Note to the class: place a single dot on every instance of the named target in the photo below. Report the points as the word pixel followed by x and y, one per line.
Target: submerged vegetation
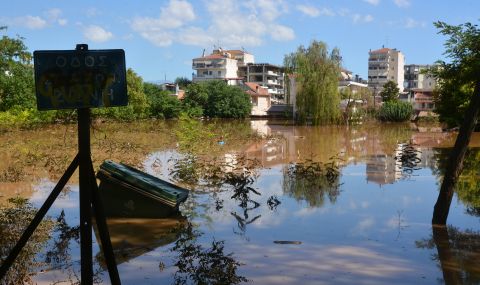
pixel 14 218
pixel 312 180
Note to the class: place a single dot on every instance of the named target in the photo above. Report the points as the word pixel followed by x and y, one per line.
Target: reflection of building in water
pixel 384 168
pixel 279 148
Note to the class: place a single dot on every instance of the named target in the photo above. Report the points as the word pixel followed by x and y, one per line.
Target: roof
pixel 236 51
pixel 211 56
pixel 382 50
pixel 255 89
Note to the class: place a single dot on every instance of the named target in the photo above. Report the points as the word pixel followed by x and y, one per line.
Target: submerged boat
pixel 129 192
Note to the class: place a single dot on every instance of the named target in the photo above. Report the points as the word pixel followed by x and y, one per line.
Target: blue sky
pixel 160 38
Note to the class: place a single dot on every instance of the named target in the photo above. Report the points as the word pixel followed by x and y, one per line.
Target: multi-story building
pixel 416 79
pixel 220 65
pixel 266 75
pixel 385 65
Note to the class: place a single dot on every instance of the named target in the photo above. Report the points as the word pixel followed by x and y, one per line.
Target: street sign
pixel 73 79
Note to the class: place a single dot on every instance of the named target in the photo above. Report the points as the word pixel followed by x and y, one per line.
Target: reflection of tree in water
pixel 59 257
pixel 468 184
pixel 458 253
pixel 409 158
pixel 59 254
pixel 199 265
pixel 312 181
pixel 14 218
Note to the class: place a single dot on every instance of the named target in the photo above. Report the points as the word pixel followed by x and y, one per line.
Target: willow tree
pixel 316 73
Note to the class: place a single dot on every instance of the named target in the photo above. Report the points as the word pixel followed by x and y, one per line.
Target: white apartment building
pixel 220 65
pixel 268 76
pixel 385 65
pixel 416 79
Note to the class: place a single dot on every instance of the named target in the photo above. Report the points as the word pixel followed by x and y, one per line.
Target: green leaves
pixel 316 72
pixel 390 91
pixel 457 77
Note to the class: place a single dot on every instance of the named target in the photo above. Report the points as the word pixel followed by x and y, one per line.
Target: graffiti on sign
pixel 80 79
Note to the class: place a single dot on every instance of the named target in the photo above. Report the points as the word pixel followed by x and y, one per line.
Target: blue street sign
pixel 73 79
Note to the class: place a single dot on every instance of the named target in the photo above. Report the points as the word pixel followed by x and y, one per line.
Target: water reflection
pixel 468 185
pixel 14 218
pixel 135 237
pixel 198 264
pixel 281 229
pixel 457 254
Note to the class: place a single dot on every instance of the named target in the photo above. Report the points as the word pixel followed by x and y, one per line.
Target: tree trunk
pixel 452 274
pixel 455 161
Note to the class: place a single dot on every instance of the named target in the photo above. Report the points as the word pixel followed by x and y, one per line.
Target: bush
pixel 395 111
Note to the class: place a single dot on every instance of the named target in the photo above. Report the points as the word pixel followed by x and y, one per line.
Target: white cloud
pixel 227 22
pixel 412 23
pixel 30 22
pixel 315 12
pixel 308 10
pixel 62 22
pixel 282 33
pixel 97 34
pixel 175 15
pixel 54 16
pixel 357 18
pixel 372 2
pixel 402 3
pixel 92 12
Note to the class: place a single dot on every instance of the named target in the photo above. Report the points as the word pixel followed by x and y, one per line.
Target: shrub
pixel 395 111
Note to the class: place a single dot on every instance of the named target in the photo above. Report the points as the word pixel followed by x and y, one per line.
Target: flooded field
pixel 318 205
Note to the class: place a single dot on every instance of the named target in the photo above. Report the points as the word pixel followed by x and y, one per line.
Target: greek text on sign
pixel 72 79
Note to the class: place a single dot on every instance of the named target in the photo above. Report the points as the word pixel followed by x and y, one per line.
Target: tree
pixel 226 101
pixel 183 82
pixel 390 91
pixel 214 98
pixel 460 74
pixel 160 102
pixel 16 74
pixel 316 71
pixel 456 79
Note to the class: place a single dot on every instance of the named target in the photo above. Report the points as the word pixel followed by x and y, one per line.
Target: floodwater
pixel 370 225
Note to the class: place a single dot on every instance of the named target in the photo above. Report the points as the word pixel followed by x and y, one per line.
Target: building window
pixel 219 73
pixel 210 72
pixel 393 77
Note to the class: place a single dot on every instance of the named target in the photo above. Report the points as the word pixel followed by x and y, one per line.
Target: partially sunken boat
pixel 128 192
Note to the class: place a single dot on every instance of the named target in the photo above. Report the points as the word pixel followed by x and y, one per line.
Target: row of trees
pixel 18 102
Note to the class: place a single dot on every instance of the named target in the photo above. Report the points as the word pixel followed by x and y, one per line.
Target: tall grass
pixel 395 111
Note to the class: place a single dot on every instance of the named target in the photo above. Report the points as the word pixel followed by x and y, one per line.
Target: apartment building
pixel 221 65
pixel 416 79
pixel 268 76
pixel 385 64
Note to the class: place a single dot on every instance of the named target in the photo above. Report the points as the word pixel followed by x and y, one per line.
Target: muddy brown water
pixel 372 227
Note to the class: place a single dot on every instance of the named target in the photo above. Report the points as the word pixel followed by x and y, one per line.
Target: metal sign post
pixel 79 79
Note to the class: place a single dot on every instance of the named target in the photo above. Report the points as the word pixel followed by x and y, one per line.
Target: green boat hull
pixel 127 192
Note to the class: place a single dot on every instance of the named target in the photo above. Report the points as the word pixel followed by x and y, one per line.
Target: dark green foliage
pixel 456 78
pixel 218 100
pixel 390 91
pixel 161 103
pixel 395 111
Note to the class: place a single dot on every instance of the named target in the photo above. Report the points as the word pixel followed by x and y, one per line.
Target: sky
pixel 160 38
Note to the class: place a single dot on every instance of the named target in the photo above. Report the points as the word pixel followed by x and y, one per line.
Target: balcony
pixel 271 73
